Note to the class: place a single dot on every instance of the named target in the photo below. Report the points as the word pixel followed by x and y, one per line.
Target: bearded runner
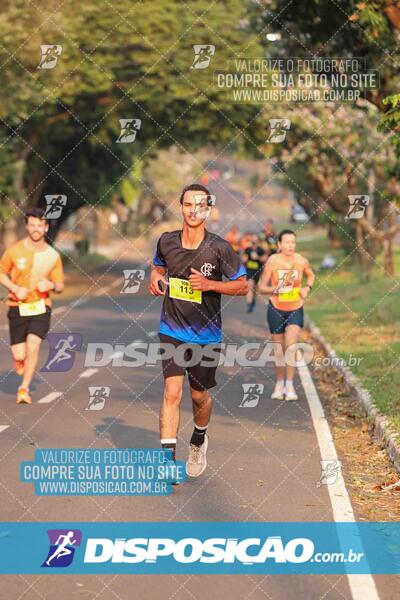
pixel 30 270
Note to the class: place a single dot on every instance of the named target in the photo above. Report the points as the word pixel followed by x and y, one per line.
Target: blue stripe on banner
pixel 199 548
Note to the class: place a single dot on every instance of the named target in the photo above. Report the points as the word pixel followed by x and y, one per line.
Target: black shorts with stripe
pixel 201 377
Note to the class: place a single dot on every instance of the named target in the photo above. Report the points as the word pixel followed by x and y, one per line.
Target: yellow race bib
pixel 291 296
pixel 182 290
pixel 252 264
pixel 30 309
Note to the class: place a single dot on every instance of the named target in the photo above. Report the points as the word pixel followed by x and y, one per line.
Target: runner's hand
pixel 198 281
pixel 44 285
pixel 155 277
pixel 21 292
pixel 304 292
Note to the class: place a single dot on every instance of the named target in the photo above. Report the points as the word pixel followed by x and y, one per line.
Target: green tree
pixel 122 60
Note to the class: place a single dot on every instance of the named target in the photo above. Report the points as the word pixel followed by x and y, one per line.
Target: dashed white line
pixel 88 373
pixel 116 283
pixel 50 397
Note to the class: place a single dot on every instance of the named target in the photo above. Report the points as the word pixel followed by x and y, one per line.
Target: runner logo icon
pixel 330 470
pixel 62 547
pixel 132 280
pixel 129 129
pixel 251 394
pixel 203 54
pixel 97 397
pixel 49 55
pixel 62 351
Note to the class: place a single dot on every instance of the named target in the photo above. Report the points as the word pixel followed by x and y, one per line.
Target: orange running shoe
pixel 23 396
pixel 19 366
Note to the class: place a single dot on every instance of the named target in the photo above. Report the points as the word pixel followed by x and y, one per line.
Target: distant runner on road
pixel 195 260
pixel 30 270
pixel 269 238
pixel 233 238
pixel 254 258
pixel 282 279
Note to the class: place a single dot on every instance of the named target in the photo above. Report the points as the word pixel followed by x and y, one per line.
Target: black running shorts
pixel 278 320
pixel 201 377
pixel 20 327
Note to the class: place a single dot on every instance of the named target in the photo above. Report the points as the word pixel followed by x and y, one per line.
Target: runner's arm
pixel 265 278
pixel 157 275
pixel 6 281
pixel 55 281
pixel 5 268
pixel 232 268
pixel 310 278
pixel 158 272
pixel 237 287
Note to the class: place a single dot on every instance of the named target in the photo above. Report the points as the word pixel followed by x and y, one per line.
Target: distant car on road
pixel 298 214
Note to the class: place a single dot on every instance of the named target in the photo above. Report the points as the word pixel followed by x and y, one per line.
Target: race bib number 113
pixel 182 290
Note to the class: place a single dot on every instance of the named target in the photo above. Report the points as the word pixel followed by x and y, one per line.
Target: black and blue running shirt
pixel 214 258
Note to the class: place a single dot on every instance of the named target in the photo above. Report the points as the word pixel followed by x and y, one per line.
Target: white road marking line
pixel 3 427
pixel 79 301
pixel 362 587
pixel 59 309
pixel 88 373
pixel 50 397
pixel 118 282
pixel 105 290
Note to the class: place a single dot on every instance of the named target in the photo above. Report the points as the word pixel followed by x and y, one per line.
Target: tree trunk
pixel 388 263
pixel 365 260
pixel 9 232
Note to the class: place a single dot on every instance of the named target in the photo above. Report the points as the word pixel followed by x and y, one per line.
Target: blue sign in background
pixel 24 547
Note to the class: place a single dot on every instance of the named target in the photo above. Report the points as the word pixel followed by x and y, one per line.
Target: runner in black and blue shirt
pixel 195 261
